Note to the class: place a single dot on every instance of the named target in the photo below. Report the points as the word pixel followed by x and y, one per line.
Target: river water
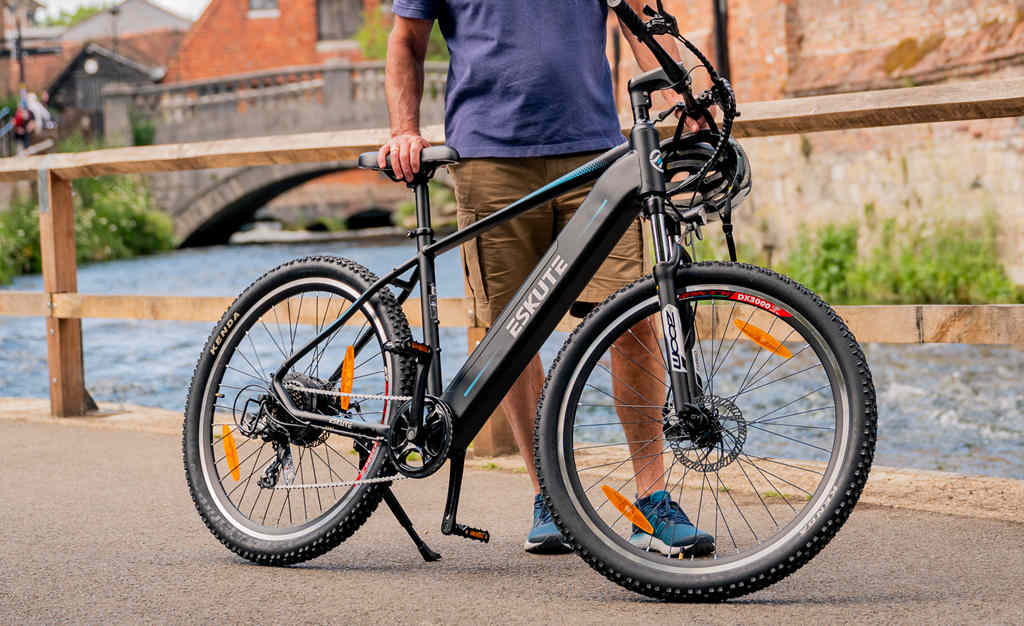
pixel 941 407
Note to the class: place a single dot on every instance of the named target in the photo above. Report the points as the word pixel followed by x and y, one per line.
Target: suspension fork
pixel 677 322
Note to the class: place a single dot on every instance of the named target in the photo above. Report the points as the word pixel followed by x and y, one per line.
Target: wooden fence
pixel 64 308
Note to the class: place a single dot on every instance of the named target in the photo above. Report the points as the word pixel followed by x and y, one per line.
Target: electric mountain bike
pixel 745 392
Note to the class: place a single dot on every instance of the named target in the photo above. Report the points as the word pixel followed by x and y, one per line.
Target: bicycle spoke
pixel 798 413
pixel 778 380
pixel 794 440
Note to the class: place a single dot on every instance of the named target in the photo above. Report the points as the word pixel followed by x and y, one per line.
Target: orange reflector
pixel 230 451
pixel 347 374
pixel 627 509
pixel 763 339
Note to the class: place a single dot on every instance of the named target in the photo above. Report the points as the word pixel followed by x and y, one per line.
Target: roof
pixel 151 50
pixel 134 16
pixel 95 49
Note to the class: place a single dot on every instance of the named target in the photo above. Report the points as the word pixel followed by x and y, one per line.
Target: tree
pixel 82 13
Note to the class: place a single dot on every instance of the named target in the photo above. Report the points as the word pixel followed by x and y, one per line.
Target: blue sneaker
pixel 673 531
pixel 544 537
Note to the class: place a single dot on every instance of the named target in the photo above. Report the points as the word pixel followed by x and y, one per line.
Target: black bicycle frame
pixel 629 180
pixel 539 304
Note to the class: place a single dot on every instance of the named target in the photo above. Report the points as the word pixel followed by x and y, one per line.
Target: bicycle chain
pixel 339 394
pixel 346 483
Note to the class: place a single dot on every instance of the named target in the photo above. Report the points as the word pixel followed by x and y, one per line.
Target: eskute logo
pixel 543 286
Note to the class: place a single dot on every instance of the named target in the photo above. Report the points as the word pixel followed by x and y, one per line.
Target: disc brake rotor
pixel 708 439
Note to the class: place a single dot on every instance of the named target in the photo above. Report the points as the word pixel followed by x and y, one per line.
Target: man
pixel 529 98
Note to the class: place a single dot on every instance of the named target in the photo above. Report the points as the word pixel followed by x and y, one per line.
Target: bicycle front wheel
pixel 769 463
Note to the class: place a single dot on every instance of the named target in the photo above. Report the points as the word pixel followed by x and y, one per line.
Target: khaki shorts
pixel 498 261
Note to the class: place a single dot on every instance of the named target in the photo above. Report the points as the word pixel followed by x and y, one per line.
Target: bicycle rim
pixel 777 394
pixel 233 460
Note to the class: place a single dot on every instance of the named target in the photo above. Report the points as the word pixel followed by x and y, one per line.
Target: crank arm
pixel 449 526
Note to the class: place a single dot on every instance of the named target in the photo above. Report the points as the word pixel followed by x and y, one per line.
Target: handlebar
pixel 720 93
pixel 680 80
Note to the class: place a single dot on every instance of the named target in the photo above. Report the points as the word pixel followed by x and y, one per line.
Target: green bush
pixel 950 262
pixel 114 219
pixel 826 262
pixel 143 131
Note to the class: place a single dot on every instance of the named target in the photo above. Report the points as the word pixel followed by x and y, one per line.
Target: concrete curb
pixel 979 497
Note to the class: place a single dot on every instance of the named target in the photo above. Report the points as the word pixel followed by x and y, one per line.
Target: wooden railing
pixel 64 308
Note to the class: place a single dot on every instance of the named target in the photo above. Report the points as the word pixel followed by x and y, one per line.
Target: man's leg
pixel 499 261
pixel 639 388
pixel 520 406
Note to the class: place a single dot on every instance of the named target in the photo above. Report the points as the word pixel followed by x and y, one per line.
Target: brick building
pixel 239 36
pixel 791 48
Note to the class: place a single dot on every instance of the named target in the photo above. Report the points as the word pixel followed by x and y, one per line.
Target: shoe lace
pixel 669 511
pixel 543 514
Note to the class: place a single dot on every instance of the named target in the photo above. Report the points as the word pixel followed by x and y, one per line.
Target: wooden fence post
pixel 60 275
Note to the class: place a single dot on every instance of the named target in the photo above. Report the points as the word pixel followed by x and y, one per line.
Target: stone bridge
pixel 209 205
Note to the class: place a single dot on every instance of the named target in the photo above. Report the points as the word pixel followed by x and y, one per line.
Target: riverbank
pixel 980 497
pixel 386 235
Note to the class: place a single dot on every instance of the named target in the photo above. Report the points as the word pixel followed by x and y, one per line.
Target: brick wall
pixel 781 48
pixel 226 41
pixel 917 174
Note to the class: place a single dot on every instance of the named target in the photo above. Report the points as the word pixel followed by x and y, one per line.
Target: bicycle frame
pixel 622 176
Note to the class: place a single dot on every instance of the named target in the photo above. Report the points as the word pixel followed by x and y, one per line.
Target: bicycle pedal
pixel 468 532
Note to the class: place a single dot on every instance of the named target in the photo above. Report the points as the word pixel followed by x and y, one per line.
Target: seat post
pixel 424 235
pixel 424 232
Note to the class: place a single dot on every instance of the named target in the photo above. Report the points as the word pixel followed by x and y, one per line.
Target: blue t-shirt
pixel 527 77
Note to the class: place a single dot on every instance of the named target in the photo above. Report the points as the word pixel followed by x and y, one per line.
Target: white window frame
pixel 264 13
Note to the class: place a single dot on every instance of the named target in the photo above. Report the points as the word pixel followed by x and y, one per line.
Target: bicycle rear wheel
pixel 235 433
pixel 771 472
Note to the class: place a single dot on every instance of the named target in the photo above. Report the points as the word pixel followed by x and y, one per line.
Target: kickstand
pixel 403 519
pixel 400 514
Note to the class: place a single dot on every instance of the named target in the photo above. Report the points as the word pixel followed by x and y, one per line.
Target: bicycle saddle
pixel 431 158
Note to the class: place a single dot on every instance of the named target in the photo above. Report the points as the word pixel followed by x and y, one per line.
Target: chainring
pixel 419 450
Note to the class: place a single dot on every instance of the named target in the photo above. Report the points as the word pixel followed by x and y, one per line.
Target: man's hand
pixel 664 100
pixel 404 148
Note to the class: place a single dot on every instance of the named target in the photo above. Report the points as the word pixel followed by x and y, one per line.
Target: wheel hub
pixel 709 436
pixel 297 432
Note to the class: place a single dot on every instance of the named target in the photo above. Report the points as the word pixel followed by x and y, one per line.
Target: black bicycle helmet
pixel 728 179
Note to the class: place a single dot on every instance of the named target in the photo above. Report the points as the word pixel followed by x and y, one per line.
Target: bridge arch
pixel 214 213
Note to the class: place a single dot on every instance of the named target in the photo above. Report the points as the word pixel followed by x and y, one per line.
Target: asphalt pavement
pixel 97 527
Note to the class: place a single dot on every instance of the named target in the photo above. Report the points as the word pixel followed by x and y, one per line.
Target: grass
pixel 944 262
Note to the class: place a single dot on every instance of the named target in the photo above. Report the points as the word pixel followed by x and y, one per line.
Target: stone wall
pixel 917 174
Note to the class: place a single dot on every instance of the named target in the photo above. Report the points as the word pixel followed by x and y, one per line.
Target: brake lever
pixel 661 23
pixel 678 106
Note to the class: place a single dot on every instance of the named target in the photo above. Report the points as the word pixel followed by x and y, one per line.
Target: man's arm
pixel 645 58
pixel 403 81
